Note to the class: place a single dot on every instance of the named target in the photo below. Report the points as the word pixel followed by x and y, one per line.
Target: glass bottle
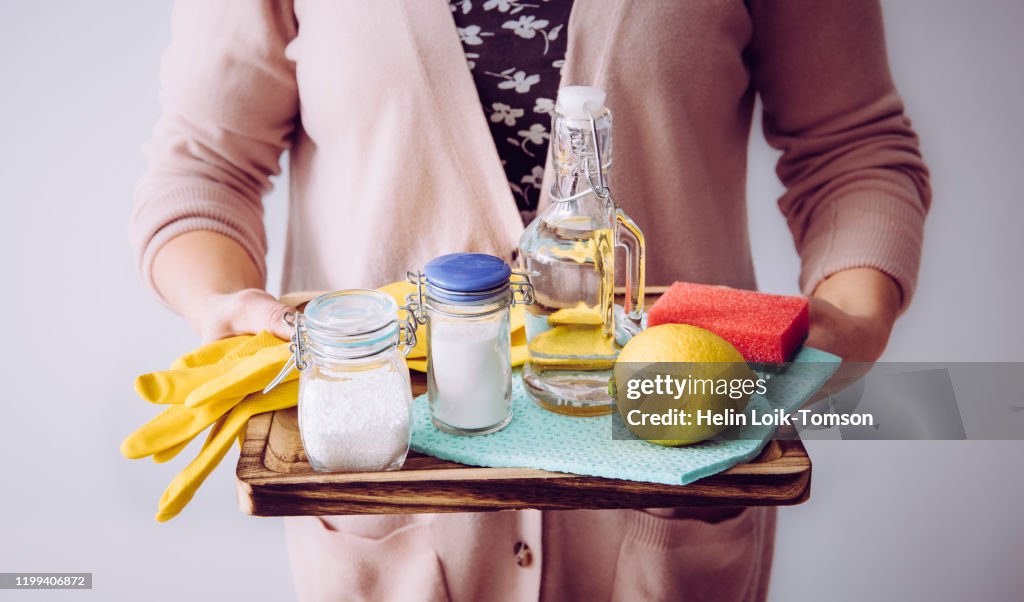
pixel 568 252
pixel 464 299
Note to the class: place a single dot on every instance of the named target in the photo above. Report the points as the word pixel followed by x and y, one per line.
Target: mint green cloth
pixel 537 438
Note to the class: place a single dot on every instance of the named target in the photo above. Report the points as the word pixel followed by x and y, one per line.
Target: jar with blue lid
pixel 464 299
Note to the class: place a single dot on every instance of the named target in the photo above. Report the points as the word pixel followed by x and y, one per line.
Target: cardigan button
pixel 524 557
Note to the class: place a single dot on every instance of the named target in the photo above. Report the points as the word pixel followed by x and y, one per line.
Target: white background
pixel 78 85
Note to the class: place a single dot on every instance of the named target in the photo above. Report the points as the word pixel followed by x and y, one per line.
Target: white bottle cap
pixel 574 100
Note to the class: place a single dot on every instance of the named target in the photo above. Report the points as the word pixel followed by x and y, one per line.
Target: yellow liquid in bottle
pixel 570 329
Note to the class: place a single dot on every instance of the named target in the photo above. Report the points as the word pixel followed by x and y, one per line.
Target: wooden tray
pixel 275 479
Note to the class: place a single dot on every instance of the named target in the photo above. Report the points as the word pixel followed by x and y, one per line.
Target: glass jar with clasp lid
pixel 355 400
pixel 464 299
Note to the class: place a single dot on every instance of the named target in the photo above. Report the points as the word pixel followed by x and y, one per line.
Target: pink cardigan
pixel 392 164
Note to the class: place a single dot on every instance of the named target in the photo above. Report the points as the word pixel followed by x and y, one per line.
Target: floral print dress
pixel 516 50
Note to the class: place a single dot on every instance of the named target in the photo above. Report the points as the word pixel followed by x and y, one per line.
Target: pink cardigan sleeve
pixel 857 188
pixel 229 106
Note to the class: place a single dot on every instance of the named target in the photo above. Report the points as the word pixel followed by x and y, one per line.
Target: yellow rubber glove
pixel 166 455
pixel 222 435
pixel 249 375
pixel 211 353
pixel 170 432
pixel 176 425
pixel 208 363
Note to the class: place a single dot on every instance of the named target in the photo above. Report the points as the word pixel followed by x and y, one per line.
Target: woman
pixel 419 128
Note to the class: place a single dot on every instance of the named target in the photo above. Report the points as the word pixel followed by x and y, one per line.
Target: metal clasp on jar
pixel 297 349
pixel 523 287
pixel 297 361
pixel 407 331
pixel 415 303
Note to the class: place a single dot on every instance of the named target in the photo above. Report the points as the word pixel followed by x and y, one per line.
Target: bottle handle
pixel 629 237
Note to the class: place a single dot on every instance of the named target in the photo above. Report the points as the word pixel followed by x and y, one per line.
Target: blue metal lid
pixel 457 276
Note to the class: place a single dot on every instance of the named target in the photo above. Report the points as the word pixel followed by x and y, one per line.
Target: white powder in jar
pixel 359 421
pixel 472 373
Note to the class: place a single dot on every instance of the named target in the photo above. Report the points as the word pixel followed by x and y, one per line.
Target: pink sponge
pixel 763 328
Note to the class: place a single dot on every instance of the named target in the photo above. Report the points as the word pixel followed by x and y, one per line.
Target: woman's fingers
pixel 245 312
pixel 852 337
pixel 258 310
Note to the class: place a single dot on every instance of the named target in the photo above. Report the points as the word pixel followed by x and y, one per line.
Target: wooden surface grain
pixel 275 479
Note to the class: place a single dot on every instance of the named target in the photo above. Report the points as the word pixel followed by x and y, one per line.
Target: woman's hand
pixel 855 338
pixel 215 285
pixel 244 312
pixel 852 314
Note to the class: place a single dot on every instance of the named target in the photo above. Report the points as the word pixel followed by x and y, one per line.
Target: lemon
pixel 682 352
pixel 679 343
